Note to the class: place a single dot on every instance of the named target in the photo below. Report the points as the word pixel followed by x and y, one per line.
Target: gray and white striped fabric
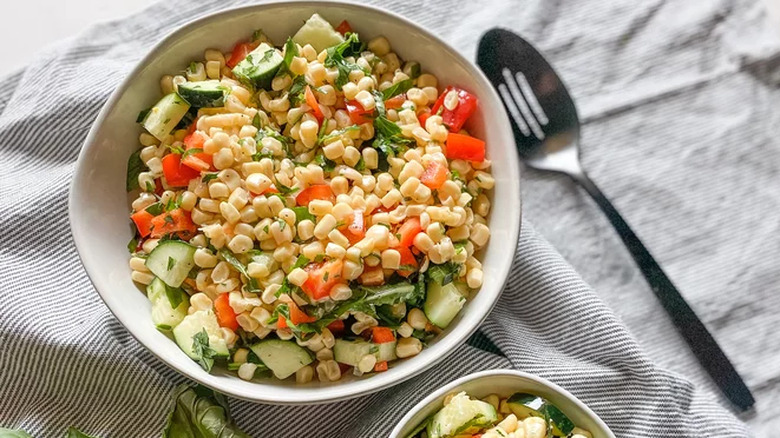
pixel 64 359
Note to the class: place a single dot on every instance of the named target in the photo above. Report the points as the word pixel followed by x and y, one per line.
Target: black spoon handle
pixel 688 324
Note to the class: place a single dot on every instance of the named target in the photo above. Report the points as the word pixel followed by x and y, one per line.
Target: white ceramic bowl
pixel 505 383
pixel 99 205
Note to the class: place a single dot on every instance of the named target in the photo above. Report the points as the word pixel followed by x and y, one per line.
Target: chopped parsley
pixel 171 263
pixel 208 177
pixel 336 58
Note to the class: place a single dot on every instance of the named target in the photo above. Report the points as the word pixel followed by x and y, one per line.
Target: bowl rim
pixel 432 397
pixel 320 395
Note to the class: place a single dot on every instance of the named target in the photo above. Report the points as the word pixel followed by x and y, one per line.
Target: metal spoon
pixel 547 131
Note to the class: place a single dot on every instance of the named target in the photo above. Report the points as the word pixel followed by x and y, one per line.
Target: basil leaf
pixel 134 167
pixel 13 433
pixel 398 88
pixel 199 412
pixel 252 284
pixel 75 433
pixel 336 54
pixel 302 213
pixel 201 348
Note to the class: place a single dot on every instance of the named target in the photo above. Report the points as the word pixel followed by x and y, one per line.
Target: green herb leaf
pixel 290 51
pixel 186 153
pixel 336 54
pixel 302 213
pixel 326 164
pixel 297 90
pixel 201 348
pixel 175 295
pixel 337 133
pixel 258 35
pixel 208 177
pixel 444 273
pixel 398 88
pixel 252 284
pixel 171 263
pixel 134 167
pixel 155 209
pixel 200 412
pixel 283 189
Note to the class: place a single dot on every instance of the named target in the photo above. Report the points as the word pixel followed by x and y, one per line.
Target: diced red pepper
pixel 239 53
pixel 143 222
pixel 311 100
pixel 175 173
pixel 281 322
pixel 423 116
pixel 435 175
pixel 408 231
pixel 357 113
pixel 176 221
pixel 380 366
pixel 158 187
pixel 322 277
pixel 465 147
pixel 319 191
pixel 408 262
pixel 298 316
pixel 454 119
pixel 200 161
pixel 344 27
pixel 226 316
pixel 382 335
pixel 336 326
pixel 396 102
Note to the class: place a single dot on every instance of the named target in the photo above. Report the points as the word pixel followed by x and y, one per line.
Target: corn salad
pixel 520 415
pixel 308 210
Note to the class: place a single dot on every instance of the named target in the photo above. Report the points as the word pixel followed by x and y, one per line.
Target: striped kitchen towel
pixel 65 360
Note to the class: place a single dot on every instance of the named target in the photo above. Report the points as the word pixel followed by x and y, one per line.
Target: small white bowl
pixel 99 206
pixel 504 383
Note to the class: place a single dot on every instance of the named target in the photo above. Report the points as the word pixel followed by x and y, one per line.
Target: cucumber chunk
pixel 528 405
pixel 442 303
pixel 259 67
pixel 350 352
pixel 171 261
pixel 319 33
pixel 204 94
pixel 196 323
pixel 385 352
pixel 165 115
pixel 283 358
pixel 462 416
pixel 164 315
